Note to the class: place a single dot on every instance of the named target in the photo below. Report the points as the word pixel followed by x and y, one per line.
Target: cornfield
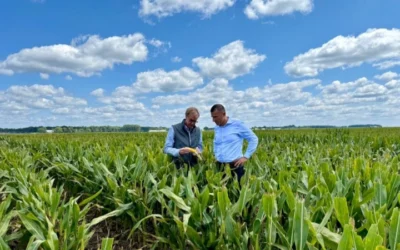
pixel 303 189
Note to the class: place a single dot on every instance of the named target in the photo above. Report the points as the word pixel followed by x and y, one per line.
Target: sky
pixel 269 62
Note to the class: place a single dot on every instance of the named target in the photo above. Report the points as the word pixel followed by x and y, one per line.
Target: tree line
pixel 81 129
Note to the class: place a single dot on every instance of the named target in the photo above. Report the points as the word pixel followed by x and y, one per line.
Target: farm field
pixel 303 189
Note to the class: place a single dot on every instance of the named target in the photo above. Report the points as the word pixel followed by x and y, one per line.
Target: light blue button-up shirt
pixel 228 141
pixel 169 142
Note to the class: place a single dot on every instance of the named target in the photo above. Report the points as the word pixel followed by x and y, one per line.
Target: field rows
pixel 303 189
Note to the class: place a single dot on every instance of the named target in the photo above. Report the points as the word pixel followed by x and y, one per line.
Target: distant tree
pixel 41 130
pixel 130 128
pixel 58 130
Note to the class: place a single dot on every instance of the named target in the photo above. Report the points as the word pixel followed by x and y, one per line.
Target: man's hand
pixel 240 162
pixel 183 151
pixel 198 150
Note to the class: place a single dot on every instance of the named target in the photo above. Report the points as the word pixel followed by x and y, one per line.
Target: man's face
pixel 218 117
pixel 191 120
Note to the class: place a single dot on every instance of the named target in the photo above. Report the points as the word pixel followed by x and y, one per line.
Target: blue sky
pixel 270 62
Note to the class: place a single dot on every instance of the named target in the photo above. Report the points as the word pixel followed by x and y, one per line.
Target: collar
pixel 230 121
pixel 186 127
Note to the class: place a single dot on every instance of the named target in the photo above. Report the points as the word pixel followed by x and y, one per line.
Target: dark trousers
pixel 180 163
pixel 238 171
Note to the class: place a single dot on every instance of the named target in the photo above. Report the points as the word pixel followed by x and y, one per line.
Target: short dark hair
pixel 217 107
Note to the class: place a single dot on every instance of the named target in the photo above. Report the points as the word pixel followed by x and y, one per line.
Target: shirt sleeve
pixel 215 147
pixel 200 146
pixel 169 142
pixel 252 139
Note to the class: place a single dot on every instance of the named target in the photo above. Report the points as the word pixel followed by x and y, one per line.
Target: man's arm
pixel 247 134
pixel 252 139
pixel 200 146
pixel 169 142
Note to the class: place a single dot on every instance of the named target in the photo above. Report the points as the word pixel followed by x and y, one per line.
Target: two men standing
pixel 228 140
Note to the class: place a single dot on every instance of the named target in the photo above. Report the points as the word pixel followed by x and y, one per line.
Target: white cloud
pixel 86 56
pixel 44 76
pixel 157 43
pixel 61 111
pixel 164 8
pixel 387 76
pixel 393 84
pixel 129 106
pixel 308 102
pixel 219 91
pixel 69 101
pixel 37 97
pixel 5 71
pixel 38 1
pixel 386 64
pixel 68 77
pixel 259 8
pixel 34 91
pixel 97 92
pixel 161 81
pixel 230 61
pixel 371 46
pixel 176 59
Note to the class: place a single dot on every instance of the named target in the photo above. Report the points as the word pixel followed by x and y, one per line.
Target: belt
pixel 231 164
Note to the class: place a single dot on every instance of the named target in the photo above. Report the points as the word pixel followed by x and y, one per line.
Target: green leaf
pixel 300 226
pixel 223 201
pixel 245 196
pixel 380 195
pixel 270 210
pixel 143 219
pixel 107 243
pixel 194 237
pixel 290 200
pixel 5 223
pixel 346 242
pixel 177 200
pixel 394 231
pixel 116 212
pixel 373 239
pixel 32 227
pixel 204 197
pixel 327 235
pixel 341 210
pixel 34 245
pixel 3 245
pixel 89 199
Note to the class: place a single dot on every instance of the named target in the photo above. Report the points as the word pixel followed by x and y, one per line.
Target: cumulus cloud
pixel 372 46
pixel 164 8
pixel 259 8
pixel 230 61
pixel 161 81
pixel 86 56
pixel 304 102
pixel 387 76
pixel 97 92
pixel 386 64
pixel 37 97
pixel 44 76
pixel 219 90
pixel 176 59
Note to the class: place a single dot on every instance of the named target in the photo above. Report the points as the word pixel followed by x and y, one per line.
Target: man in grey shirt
pixel 182 137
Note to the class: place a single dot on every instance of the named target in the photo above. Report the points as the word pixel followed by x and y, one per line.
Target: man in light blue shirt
pixel 182 137
pixel 228 141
